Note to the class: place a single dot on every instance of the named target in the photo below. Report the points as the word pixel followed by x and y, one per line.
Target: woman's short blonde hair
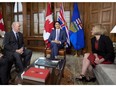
pixel 99 30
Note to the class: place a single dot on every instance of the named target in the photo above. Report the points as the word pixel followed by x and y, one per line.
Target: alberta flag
pixel 76 30
pixel 62 21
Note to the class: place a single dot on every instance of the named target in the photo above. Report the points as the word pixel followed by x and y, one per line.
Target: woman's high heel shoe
pixel 81 78
pixel 93 79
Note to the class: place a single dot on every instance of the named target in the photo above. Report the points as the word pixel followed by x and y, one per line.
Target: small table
pixel 56 73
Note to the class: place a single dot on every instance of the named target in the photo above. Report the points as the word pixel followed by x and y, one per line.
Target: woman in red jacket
pixel 102 52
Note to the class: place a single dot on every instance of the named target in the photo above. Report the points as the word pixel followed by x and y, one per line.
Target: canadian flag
pixel 2 32
pixel 48 23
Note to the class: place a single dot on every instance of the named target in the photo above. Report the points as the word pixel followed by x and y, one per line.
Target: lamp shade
pixel 113 30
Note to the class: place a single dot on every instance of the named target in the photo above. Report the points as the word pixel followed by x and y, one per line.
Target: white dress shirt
pixel 57 34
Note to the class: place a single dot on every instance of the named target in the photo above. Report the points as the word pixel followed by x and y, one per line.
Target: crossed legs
pixel 55 48
pixel 85 64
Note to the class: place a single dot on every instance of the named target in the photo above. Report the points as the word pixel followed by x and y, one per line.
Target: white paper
pixel 42 58
pixel 36 66
pixel 42 67
pixel 22 75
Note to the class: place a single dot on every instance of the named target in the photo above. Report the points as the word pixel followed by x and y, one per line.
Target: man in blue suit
pixel 57 39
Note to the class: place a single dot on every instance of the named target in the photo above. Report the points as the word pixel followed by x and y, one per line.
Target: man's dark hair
pixel 55 23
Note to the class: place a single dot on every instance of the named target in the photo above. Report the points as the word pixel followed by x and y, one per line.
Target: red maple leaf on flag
pixel 2 32
pixel 48 24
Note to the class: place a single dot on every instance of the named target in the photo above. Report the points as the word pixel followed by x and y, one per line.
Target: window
pixel 35 23
pixel 28 24
pixel 18 16
pixel 41 22
pixel 37 18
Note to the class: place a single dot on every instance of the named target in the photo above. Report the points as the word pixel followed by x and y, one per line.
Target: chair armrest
pixel 47 45
pixel 65 45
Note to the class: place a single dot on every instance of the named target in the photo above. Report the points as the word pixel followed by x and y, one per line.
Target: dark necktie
pixel 17 36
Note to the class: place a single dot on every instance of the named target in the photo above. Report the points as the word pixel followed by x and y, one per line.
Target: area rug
pixel 67 79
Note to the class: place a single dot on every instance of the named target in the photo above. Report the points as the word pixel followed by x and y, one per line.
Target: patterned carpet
pixel 71 71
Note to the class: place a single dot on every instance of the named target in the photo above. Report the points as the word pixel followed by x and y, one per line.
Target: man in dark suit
pixel 14 48
pixel 57 39
pixel 3 70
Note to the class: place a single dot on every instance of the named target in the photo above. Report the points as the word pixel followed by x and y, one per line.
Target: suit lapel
pixel 13 36
pixel 60 34
pixel 54 36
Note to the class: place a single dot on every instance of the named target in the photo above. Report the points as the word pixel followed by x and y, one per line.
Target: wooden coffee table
pixel 54 78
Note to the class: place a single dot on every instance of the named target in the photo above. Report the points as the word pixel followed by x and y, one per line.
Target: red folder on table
pixel 36 74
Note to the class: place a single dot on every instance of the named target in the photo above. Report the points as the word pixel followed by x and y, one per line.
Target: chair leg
pixel 63 67
pixel 45 53
pixel 64 55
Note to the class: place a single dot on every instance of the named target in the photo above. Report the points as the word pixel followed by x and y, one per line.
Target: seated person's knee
pixel 86 54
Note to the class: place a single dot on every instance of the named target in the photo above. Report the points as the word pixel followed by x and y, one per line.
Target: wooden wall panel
pixel 108 27
pixel 41 6
pixel 87 28
pixel 34 7
pixel 100 13
pixel 95 6
pixel 67 6
pixel 106 5
pixel 81 10
pixel 7 15
pixel 0 7
pixel 107 17
pixel 94 17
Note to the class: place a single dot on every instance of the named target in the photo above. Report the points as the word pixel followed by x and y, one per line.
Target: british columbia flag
pixel 62 21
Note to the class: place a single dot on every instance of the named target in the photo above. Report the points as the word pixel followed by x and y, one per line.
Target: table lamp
pixel 114 31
